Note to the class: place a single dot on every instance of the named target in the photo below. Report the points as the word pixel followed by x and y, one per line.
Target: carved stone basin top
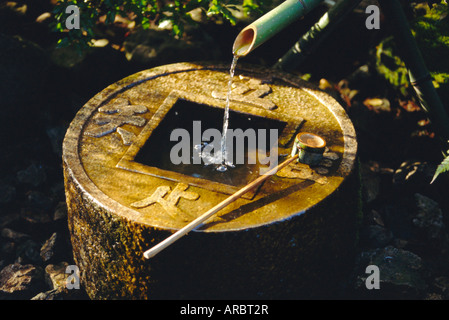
pixel 117 146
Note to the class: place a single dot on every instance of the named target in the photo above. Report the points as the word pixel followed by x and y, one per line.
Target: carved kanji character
pixel 169 203
pixel 252 91
pixel 116 115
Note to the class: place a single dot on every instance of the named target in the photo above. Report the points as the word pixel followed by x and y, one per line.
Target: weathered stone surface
pixel 277 242
pixel 20 281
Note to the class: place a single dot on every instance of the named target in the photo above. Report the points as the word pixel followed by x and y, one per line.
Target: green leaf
pixel 110 17
pixel 145 13
pixel 443 167
pixel 178 29
pixel 63 42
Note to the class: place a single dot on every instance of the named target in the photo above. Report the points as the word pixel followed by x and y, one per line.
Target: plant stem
pixel 419 75
pixel 316 35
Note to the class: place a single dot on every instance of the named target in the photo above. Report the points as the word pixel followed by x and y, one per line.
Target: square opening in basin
pixel 189 121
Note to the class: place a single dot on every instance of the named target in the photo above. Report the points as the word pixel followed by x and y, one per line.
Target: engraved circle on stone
pixel 105 169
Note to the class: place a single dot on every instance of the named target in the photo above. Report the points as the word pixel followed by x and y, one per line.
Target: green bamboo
pixel 309 42
pixel 270 24
pixel 419 75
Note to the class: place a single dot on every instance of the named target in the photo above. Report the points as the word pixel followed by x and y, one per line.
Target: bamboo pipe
pixel 319 32
pixel 270 24
pixel 195 223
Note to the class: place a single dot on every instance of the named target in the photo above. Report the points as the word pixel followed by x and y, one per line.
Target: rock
pixel 400 243
pixel 398 217
pixel 28 252
pixel 56 277
pixel 20 281
pixel 13 235
pixel 402 275
pixel 60 211
pixel 376 236
pixel 56 136
pixel 39 201
pixel 53 294
pixel 57 192
pixel 35 218
pixel 370 183
pixel 67 57
pixel 9 219
pixel 34 175
pixel 419 222
pixel 433 296
pixel 50 248
pixel 7 253
pixel 429 217
pixel 441 285
pixel 7 193
pixel 7 248
pixel 374 217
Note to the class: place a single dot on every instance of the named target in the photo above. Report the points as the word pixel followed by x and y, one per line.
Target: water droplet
pixel 222 168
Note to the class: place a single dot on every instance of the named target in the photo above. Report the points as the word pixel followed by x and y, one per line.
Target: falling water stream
pixel 224 162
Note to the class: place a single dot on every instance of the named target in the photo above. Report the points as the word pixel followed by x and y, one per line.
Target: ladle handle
pixel 192 225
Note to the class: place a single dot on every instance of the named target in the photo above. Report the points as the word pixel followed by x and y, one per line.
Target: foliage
pixel 145 13
pixel 431 31
pixel 391 66
pixel 442 167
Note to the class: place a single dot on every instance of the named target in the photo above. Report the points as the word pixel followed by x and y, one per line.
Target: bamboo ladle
pixel 195 223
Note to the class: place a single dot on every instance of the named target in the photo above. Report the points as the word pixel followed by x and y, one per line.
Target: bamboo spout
pixel 270 24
